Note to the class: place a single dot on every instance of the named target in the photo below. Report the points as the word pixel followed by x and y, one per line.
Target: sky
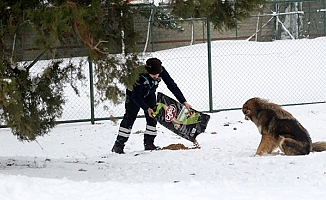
pixel 74 161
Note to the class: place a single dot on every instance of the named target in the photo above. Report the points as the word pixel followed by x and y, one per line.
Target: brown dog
pixel 279 129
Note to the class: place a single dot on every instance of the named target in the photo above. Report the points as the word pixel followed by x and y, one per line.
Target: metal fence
pixel 278 54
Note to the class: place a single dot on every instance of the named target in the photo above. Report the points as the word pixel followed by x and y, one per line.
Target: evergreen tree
pixel 29 104
pixel 223 14
pixel 161 17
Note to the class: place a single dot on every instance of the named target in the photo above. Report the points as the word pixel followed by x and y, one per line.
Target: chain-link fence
pixel 278 54
pixel 223 74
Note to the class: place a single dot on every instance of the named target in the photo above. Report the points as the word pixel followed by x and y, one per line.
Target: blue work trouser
pixel 131 112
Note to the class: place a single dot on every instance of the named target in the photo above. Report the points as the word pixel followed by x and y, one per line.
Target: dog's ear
pixel 246 112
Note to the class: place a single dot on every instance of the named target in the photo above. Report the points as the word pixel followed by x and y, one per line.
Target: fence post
pixel 203 24
pixel 36 59
pixel 209 56
pixel 91 89
pixel 324 19
pixel 276 22
pixel 151 30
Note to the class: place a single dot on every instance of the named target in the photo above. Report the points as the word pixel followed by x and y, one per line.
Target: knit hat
pixel 153 66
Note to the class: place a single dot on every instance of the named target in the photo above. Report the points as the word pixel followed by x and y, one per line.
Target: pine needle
pixel 39 145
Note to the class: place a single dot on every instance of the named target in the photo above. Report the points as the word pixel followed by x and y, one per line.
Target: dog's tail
pixel 319 146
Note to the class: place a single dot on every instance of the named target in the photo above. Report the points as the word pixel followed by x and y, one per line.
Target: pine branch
pixel 88 40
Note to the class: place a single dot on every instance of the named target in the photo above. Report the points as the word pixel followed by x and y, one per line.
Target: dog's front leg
pixel 266 145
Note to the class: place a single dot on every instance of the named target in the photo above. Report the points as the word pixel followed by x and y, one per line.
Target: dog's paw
pixel 260 153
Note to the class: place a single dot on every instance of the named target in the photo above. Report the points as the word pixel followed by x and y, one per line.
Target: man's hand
pixel 150 112
pixel 188 106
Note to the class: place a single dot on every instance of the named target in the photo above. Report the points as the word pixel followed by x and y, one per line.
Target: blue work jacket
pixel 146 86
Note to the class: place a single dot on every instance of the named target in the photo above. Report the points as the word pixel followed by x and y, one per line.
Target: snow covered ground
pixel 74 161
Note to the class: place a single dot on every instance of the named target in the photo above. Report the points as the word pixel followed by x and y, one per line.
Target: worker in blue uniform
pixel 143 96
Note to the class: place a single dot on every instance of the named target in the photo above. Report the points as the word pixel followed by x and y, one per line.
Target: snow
pixel 74 161
pixel 264 67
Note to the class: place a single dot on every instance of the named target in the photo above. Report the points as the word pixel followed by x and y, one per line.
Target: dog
pixel 279 128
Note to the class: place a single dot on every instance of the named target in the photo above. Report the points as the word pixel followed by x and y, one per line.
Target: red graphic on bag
pixel 170 113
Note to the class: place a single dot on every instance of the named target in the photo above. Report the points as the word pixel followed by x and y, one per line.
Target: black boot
pixel 149 143
pixel 151 147
pixel 119 145
pixel 117 149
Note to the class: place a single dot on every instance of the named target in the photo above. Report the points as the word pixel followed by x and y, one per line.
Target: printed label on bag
pixel 170 113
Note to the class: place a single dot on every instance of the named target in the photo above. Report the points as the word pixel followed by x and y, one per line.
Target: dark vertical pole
pixel 276 22
pixel 209 55
pixel 203 25
pixel 91 89
pixel 324 18
pixel 151 29
pixel 236 28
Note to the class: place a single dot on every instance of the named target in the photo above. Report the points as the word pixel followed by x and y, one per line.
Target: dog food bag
pixel 178 119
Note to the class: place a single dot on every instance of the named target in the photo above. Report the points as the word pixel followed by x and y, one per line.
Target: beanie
pixel 153 66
